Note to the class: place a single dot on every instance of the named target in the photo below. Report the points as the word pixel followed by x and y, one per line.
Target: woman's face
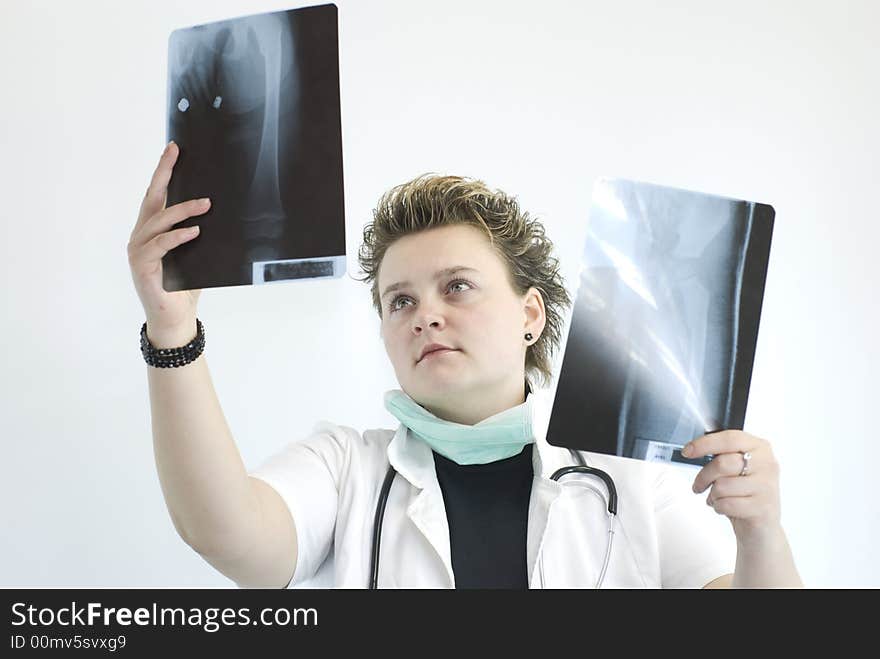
pixel 473 310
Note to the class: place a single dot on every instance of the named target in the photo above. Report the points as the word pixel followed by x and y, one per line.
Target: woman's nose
pixel 434 322
pixel 427 317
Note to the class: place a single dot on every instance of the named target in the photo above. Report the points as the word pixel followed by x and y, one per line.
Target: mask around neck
pixel 500 436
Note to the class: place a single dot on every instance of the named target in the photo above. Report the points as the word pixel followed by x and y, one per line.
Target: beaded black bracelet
pixel 173 357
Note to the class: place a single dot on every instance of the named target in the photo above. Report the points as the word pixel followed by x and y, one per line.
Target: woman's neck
pixel 469 408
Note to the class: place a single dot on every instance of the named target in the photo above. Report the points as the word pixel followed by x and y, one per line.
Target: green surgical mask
pixel 500 436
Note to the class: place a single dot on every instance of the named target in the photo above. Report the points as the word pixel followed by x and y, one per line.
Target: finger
pixel 723 464
pixel 737 507
pixel 154 199
pixel 732 487
pixel 725 441
pixel 166 219
pixel 152 252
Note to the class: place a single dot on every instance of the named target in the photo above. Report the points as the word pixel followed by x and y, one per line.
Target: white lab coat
pixel 665 536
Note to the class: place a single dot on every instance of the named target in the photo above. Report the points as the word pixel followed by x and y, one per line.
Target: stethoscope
pixel 581 468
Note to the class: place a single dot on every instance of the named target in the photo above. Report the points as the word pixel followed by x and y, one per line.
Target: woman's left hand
pixel 750 500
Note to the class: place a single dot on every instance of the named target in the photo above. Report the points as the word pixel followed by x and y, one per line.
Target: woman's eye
pixel 394 306
pixel 394 302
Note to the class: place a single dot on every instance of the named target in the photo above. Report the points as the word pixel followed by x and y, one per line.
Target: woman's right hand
pixel 167 313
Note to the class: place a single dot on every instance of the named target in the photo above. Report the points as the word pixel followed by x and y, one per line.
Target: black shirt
pixel 487 507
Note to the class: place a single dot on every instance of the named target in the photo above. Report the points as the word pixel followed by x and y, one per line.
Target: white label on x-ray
pixel 657 452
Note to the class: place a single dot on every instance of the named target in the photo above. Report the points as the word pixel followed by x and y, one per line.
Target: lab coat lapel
pixel 414 461
pixel 545 491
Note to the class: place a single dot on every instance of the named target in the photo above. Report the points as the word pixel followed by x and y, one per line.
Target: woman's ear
pixel 535 312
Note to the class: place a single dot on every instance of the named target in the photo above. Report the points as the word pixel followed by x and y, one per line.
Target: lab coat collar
pixel 411 458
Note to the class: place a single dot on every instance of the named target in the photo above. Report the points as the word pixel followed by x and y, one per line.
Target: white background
pixel 774 102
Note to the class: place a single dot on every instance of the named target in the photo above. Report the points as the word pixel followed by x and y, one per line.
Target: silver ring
pixel 746 457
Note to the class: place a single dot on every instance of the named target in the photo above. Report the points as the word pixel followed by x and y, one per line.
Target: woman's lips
pixel 436 353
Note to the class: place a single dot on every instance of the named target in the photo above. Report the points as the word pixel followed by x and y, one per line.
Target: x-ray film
pixel 665 322
pixel 253 104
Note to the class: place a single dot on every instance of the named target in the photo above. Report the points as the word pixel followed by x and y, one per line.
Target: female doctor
pixel 470 303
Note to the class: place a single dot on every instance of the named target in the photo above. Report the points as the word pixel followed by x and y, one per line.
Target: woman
pixel 470 305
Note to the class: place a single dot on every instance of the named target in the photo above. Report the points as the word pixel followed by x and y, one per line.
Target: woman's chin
pixel 438 381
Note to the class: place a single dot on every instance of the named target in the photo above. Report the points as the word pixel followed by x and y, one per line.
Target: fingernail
pixel 686 450
pixel 204 201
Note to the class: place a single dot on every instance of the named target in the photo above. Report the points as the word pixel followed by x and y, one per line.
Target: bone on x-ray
pixel 665 322
pixel 253 104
